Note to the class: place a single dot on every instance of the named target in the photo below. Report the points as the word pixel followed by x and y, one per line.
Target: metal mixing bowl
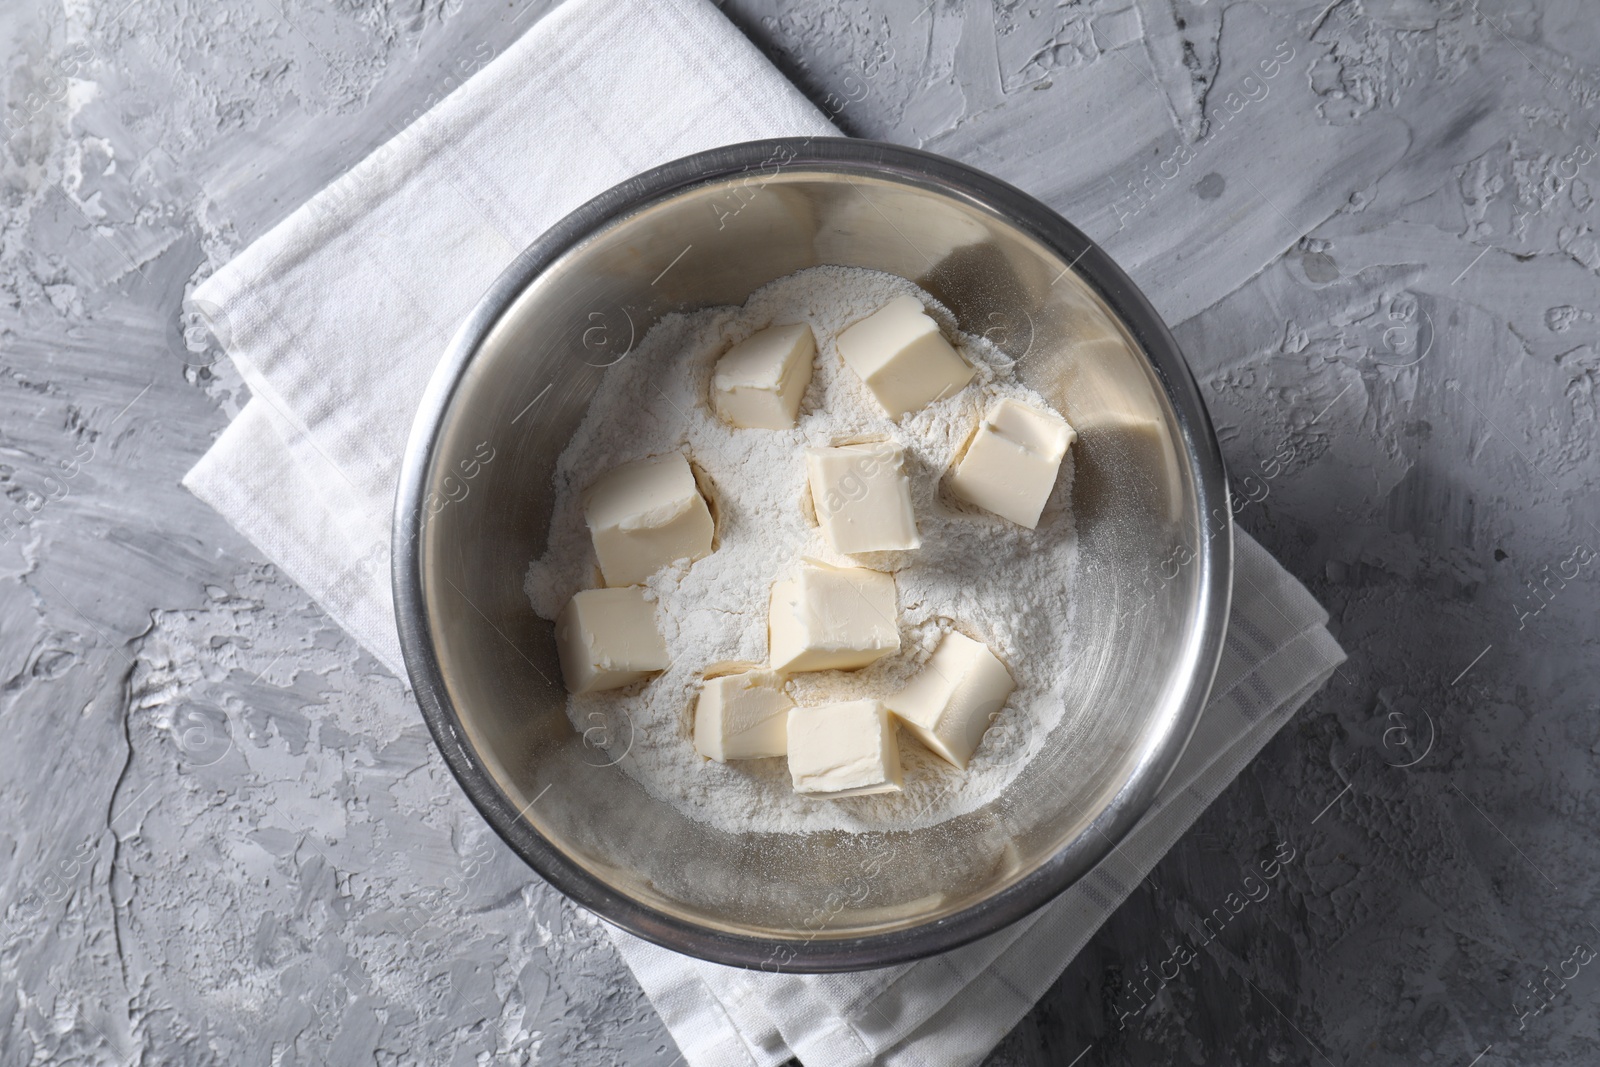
pixel 475 498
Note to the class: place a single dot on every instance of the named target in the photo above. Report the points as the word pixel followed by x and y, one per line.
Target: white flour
pixel 1003 585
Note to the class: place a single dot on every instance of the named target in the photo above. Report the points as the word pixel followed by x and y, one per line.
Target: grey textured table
pixel 1372 223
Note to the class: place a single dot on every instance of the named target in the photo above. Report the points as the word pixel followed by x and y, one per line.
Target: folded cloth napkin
pixel 336 319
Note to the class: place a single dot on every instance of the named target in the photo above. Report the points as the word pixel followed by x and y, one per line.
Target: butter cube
pixel 844 750
pixel 832 618
pixel 862 496
pixel 900 354
pixel 645 514
pixel 955 697
pixel 758 383
pixel 607 639
pixel 742 716
pixel 1010 465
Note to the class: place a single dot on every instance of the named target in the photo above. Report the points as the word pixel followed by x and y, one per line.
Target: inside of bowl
pixel 1135 502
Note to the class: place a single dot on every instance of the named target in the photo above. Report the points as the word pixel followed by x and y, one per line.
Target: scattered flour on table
pixel 1005 586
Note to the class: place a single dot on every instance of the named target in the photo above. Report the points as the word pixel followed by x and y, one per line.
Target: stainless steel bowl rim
pixel 1213 555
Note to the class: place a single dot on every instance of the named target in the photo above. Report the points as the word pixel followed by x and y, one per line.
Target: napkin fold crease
pixel 336 319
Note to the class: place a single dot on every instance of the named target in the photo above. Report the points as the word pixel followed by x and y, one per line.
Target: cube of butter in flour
pixel 607 638
pixel 954 698
pixel 844 750
pixel 645 514
pixel 1011 463
pixel 862 496
pixel 900 354
pixel 758 383
pixel 742 716
pixel 831 618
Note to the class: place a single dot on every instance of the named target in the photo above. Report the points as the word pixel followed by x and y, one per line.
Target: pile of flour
pixel 994 581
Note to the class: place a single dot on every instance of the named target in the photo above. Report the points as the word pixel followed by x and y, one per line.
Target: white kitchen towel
pixel 338 315
pixel 336 319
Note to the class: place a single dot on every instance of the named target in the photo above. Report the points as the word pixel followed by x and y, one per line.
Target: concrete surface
pixel 1373 225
